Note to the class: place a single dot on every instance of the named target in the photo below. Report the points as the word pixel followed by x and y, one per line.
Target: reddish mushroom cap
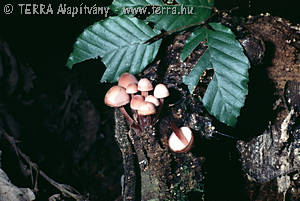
pixel 177 145
pixel 116 97
pixel 136 102
pixel 126 79
pixel 161 91
pixel 152 99
pixel 132 88
pixel 146 108
pixel 144 85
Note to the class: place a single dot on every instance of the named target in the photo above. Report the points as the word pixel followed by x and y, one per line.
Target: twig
pixel 66 190
pixel 166 33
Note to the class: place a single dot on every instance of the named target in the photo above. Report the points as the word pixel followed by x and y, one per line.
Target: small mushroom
pixel 144 85
pixel 146 108
pixel 127 79
pixel 161 91
pixel 132 89
pixel 116 96
pixel 136 102
pixel 152 99
pixel 181 140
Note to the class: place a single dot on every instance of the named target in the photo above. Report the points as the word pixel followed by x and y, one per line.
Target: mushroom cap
pixel 146 108
pixel 161 91
pixel 177 145
pixel 136 102
pixel 116 97
pixel 144 85
pixel 152 99
pixel 132 88
pixel 126 79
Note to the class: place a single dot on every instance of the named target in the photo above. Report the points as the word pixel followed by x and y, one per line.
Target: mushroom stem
pixel 160 107
pixel 143 120
pixel 126 115
pixel 144 93
pixel 148 120
pixel 139 120
pixel 179 134
pixel 135 115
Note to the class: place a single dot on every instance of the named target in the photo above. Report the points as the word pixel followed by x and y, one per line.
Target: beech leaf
pixel 225 94
pixel 184 13
pixel 119 41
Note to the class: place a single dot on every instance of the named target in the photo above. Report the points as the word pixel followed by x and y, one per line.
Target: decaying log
pixel 273 157
pixel 276 152
pixel 151 171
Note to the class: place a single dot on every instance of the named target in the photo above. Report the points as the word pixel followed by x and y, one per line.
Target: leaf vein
pixel 230 80
pixel 125 29
pixel 229 68
pixel 141 30
pixel 114 33
pixel 103 39
pixel 89 43
pixel 119 62
pixel 226 54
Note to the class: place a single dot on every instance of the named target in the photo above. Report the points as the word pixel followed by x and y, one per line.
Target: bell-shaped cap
pixel 132 88
pixel 144 85
pixel 152 99
pixel 146 108
pixel 136 102
pixel 161 91
pixel 126 79
pixel 116 97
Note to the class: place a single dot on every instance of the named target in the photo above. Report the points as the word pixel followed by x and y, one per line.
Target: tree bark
pixel 151 171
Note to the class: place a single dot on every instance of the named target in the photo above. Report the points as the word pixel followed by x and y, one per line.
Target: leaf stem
pixel 166 33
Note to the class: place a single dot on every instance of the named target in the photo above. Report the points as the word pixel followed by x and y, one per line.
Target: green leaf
pixel 118 6
pixel 119 41
pixel 173 17
pixel 225 94
pixel 192 42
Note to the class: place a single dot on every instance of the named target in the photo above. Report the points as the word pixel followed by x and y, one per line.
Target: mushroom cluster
pixel 146 107
pixel 137 94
